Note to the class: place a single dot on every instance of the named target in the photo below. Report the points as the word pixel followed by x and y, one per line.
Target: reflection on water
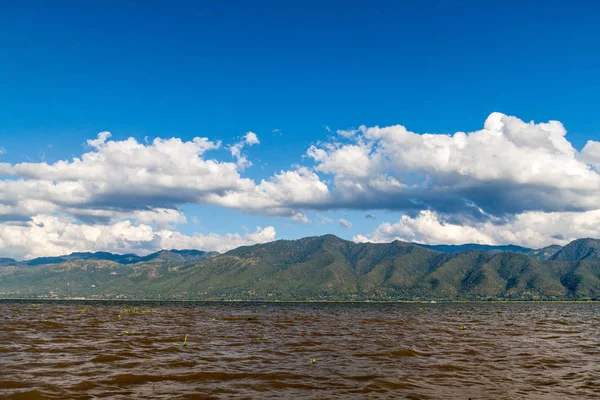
pixel 240 350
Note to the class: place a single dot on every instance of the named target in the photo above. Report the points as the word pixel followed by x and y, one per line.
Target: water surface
pixel 82 350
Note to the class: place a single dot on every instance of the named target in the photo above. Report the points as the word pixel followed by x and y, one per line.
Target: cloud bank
pixel 509 182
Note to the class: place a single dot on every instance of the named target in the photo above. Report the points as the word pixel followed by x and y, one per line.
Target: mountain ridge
pixel 317 268
pixel 129 258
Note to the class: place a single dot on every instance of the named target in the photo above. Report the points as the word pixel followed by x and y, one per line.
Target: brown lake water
pixel 79 350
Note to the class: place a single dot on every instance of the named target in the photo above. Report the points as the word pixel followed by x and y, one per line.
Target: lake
pixel 124 350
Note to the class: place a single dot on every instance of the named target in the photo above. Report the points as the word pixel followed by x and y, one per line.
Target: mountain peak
pixel 578 250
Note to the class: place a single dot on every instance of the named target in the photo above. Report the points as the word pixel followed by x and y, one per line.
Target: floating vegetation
pixel 185 340
pixel 214 320
pixel 420 308
pixel 499 311
pixel 462 327
pixel 119 317
pixel 135 311
pixel 264 337
pixel 126 332
pixel 312 361
pixel 83 309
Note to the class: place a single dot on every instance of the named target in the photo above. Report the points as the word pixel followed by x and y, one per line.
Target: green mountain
pixel 541 254
pixel 452 248
pixel 579 250
pixel 181 256
pixel 317 268
pixel 545 253
pixel 7 261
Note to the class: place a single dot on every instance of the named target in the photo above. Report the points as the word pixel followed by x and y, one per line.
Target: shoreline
pixel 432 302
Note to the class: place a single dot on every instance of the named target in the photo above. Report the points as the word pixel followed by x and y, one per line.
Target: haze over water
pixel 114 350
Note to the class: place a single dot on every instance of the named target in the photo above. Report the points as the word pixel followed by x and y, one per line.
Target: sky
pixel 136 126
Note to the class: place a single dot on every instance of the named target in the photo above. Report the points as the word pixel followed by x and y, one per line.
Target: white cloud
pixel 282 195
pixel 48 235
pixel 249 139
pixel 212 241
pixel 591 154
pixel 506 168
pixel 475 186
pixel 2 150
pixel 123 176
pixel 345 223
pixel 530 229
pixel 300 217
pixel 348 133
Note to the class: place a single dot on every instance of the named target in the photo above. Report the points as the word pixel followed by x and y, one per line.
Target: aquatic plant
pixel 83 309
pixel 312 361
pixel 185 340
pixel 135 311
pixel 214 320
pixel 462 327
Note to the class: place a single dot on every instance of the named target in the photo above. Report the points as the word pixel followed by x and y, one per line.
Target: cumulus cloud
pixel 475 186
pixel 591 154
pixel 47 235
pixel 347 133
pixel 530 229
pixel 249 139
pixel 300 217
pixel 345 223
pixel 506 168
pixel 119 177
pixel 283 194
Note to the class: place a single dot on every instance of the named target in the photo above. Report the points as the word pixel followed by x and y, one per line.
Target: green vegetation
pixel 318 269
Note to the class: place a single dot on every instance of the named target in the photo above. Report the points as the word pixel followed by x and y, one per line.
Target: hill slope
pixel 540 254
pixel 579 250
pixel 323 267
pixel 180 256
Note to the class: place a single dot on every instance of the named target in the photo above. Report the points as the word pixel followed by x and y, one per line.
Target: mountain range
pixel 317 268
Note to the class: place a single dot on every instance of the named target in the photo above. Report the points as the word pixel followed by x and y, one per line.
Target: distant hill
pixel 451 248
pixel 579 250
pixel 540 254
pixel 178 256
pixel 7 261
pixel 163 255
pixel 319 268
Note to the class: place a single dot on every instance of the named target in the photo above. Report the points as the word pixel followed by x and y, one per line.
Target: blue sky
pixel 221 69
